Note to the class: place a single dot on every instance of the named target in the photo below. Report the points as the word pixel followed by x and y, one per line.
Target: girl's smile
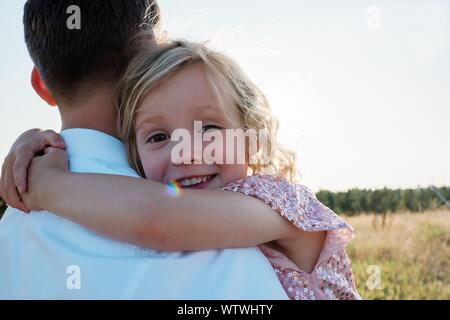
pixel 195 182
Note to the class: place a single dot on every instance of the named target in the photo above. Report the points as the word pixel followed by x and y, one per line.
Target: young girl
pixel 168 89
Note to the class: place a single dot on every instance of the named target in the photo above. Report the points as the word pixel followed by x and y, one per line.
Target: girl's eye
pixel 159 137
pixel 210 127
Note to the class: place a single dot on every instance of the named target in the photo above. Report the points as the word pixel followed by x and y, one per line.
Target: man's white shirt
pixel 43 256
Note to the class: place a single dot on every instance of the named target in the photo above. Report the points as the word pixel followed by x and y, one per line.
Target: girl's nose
pixel 185 154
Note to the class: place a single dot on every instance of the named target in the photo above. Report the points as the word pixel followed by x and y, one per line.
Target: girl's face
pixel 174 104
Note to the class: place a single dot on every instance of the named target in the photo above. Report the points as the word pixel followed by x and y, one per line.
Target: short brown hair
pixel 99 51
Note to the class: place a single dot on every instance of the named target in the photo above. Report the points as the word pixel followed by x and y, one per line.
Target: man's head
pixel 72 62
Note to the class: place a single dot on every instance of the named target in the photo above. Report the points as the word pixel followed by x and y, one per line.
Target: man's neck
pixel 96 112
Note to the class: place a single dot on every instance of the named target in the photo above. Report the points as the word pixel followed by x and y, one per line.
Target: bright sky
pixel 362 88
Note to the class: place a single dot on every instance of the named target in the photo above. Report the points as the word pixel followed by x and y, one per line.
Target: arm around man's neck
pixel 145 213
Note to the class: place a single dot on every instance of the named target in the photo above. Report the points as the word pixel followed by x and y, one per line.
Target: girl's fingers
pixel 24 155
pixel 12 195
pixel 4 180
pixel 20 169
pixel 48 150
pixel 2 191
pixel 53 139
pixel 44 139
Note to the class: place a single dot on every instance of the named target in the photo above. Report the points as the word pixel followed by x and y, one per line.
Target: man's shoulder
pixel 47 230
pixel 92 165
pixel 93 151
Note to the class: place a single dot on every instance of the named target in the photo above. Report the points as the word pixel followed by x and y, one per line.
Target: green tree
pixel 394 200
pixel 411 200
pixel 364 201
pixel 327 198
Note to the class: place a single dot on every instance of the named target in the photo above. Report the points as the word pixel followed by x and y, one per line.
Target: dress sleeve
pixel 332 277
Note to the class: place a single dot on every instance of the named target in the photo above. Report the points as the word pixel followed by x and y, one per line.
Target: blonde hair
pixel 150 68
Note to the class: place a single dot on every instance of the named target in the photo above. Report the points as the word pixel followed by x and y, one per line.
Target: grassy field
pixel 408 258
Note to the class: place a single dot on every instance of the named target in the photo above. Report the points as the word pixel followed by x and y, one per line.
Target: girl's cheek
pixel 154 170
pixel 153 164
pixel 232 172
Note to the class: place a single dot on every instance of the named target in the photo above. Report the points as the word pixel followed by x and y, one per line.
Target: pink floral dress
pixel 332 277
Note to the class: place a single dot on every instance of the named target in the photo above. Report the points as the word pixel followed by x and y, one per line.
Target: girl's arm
pixel 144 213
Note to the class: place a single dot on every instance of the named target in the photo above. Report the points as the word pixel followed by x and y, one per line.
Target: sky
pixel 361 88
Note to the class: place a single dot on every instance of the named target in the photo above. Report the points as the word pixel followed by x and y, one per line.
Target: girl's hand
pixel 43 170
pixel 13 181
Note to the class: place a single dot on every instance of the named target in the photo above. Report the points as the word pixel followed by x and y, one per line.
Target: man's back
pixel 44 256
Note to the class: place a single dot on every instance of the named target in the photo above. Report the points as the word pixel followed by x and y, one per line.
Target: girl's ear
pixel 41 88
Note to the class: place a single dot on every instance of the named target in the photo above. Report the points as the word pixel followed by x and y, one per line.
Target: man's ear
pixel 40 88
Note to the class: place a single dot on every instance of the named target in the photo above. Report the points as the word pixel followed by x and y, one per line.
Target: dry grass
pixel 411 253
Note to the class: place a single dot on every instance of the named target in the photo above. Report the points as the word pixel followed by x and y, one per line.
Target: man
pixel 43 256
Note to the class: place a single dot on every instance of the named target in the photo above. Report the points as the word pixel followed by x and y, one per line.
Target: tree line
pixel 357 201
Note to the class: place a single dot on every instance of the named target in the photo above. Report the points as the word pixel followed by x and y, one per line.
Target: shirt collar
pixel 88 143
